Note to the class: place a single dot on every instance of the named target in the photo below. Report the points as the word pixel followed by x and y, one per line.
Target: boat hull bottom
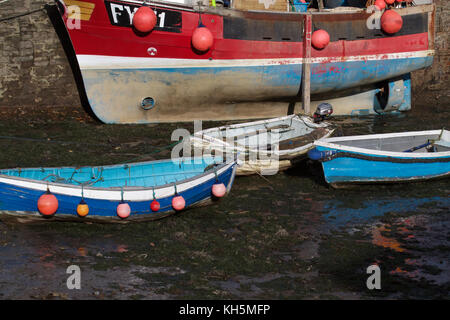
pixel 356 183
pixel 32 217
pixel 356 104
pixel 177 95
pixel 366 172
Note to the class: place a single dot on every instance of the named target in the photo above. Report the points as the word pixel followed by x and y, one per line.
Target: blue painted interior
pixel 144 174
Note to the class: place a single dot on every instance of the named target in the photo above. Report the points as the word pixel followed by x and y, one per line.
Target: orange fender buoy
pixel 320 39
pixel 202 39
pixel 391 22
pixel 144 20
pixel 219 190
pixel 123 210
pixel 47 204
pixel 82 209
pixel 380 4
pixel 178 203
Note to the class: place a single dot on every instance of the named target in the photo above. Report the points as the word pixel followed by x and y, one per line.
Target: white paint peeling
pixel 112 62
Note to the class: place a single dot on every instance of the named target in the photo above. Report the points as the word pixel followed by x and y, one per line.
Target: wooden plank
pixel 306 75
pixel 271 5
pixel 320 2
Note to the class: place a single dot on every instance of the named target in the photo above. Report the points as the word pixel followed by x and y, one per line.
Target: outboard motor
pixel 323 110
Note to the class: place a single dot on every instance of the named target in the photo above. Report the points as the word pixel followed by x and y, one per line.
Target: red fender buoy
pixel 219 190
pixel 47 204
pixel 154 205
pixel 178 203
pixel 144 19
pixel 202 39
pixel 391 22
pixel 320 39
pixel 389 1
pixel 123 210
pixel 380 4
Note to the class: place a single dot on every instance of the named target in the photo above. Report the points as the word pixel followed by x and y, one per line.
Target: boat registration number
pixel 121 15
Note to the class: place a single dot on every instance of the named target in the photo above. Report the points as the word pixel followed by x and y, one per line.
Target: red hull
pixel 98 37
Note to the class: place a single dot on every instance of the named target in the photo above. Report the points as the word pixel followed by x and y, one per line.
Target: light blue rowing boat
pixel 104 188
pixel 391 157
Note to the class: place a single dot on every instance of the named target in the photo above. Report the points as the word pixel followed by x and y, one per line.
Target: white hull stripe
pixel 143 194
pixel 334 144
pixel 87 62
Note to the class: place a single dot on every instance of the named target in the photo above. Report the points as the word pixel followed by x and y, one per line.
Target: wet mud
pixel 286 236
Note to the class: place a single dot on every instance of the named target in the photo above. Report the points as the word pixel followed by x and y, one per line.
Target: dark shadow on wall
pixel 58 24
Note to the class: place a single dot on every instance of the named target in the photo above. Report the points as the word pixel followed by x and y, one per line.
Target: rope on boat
pixel 175 186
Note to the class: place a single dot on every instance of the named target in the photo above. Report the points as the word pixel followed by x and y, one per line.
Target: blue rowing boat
pixel 391 157
pixel 103 189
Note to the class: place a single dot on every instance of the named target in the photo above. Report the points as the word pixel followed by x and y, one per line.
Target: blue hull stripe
pixel 325 77
pixel 353 170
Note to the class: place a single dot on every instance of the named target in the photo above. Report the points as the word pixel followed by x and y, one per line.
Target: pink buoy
pixel 380 4
pixel 219 190
pixel 178 203
pixel 391 22
pixel 320 39
pixel 144 20
pixel 202 39
pixel 47 204
pixel 389 1
pixel 123 210
pixel 154 205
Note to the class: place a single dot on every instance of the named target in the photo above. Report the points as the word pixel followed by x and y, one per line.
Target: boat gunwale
pixel 220 169
pixel 263 121
pixel 331 143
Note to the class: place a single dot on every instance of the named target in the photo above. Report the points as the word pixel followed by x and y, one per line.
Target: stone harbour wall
pixel 437 77
pixel 34 69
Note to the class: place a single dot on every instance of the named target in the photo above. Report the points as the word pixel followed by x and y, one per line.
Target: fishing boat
pixel 390 157
pixel 116 193
pixel 265 146
pixel 253 65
